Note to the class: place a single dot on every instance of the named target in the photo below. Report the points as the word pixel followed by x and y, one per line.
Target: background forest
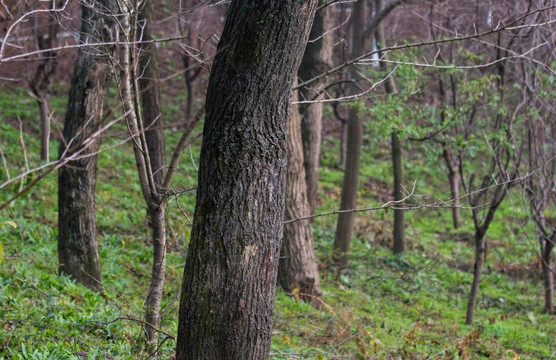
pixel 147 211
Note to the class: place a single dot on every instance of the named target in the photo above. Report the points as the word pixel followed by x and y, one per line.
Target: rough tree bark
pixel 77 239
pixel 344 228
pixel 298 267
pixel 316 60
pixel 232 261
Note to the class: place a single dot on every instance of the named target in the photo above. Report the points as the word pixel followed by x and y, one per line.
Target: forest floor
pixel 383 307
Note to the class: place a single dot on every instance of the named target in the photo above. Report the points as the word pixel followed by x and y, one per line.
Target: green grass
pixel 383 307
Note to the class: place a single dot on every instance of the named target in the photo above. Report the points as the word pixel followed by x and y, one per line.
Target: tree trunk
pixel 398 232
pixel 344 228
pixel 154 297
pixel 480 252
pixel 343 145
pixel 298 267
pixel 453 177
pixel 316 60
pixel 454 191
pixel 399 221
pixel 232 261
pixel 548 273
pixel 149 87
pixel 41 82
pixel 77 242
pixel 44 111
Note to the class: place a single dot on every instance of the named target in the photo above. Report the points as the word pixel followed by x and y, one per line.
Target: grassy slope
pixel 385 307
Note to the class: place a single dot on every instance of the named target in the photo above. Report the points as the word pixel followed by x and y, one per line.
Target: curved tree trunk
pixel 344 228
pixel 77 242
pixel 298 267
pixel 232 261
pixel 316 60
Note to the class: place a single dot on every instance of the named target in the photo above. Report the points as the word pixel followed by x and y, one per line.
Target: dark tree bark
pixel 399 219
pixel 316 60
pixel 344 228
pixel 232 261
pixel 77 238
pixel 298 267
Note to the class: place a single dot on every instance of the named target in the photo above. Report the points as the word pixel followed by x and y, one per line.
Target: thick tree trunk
pixel 77 243
pixel 298 267
pixel 232 261
pixel 316 60
pixel 480 252
pixel 344 228
pixel 399 221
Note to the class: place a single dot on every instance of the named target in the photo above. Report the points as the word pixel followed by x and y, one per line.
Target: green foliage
pixel 384 307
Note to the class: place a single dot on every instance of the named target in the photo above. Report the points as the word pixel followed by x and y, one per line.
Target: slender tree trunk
pixel 548 274
pixel 149 87
pixel 480 252
pixel 154 297
pixel 453 178
pixel 454 192
pixel 298 267
pixel 232 261
pixel 77 242
pixel 399 221
pixel 44 111
pixel 344 228
pixel 316 60
pixel 41 82
pixel 398 232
